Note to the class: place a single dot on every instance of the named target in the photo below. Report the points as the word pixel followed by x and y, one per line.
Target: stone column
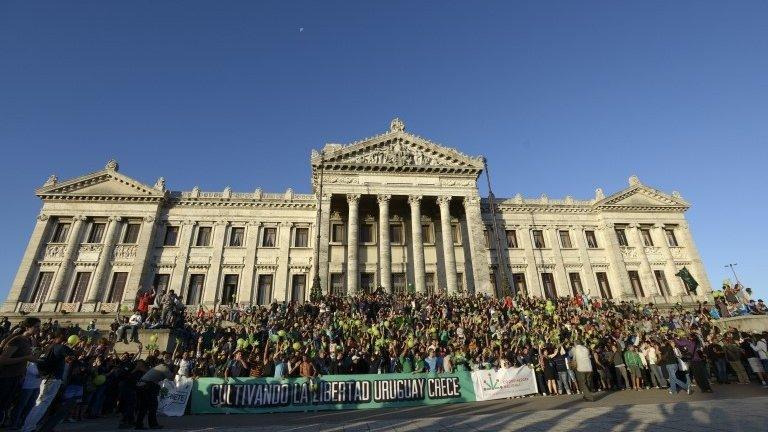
pixel 62 276
pixel 589 280
pixel 282 281
pixel 675 284
pixel 477 247
pixel 698 271
pixel 650 287
pixel 418 244
pixel 352 244
pixel 562 281
pixel 323 247
pixel 137 279
pixel 616 263
pixel 96 293
pixel 211 288
pixel 179 275
pixel 531 269
pixel 25 277
pixel 245 290
pixel 385 253
pixel 449 254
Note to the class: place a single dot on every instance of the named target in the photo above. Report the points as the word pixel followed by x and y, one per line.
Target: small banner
pixel 504 383
pixel 173 397
pixel 330 392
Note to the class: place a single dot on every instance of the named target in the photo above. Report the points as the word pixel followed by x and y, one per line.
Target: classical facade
pixel 396 211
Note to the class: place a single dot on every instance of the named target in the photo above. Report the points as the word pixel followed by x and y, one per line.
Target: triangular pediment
pixel 100 184
pixel 641 196
pixel 397 150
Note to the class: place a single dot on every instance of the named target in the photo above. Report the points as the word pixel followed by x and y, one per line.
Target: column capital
pixel 470 201
pixel 115 218
pixel 189 222
pixel 42 217
pixel 634 225
pixel 383 198
pixel 78 218
pixel 606 225
pixel 658 225
pixel 414 199
pixel 353 198
pixel 149 218
pixel 221 222
pixel 444 200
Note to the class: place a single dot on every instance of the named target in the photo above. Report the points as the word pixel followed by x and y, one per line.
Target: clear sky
pixel 562 97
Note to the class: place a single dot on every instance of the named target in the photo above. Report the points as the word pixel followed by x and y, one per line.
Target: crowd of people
pixel 574 345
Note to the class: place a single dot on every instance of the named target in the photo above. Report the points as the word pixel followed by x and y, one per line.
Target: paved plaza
pixel 730 408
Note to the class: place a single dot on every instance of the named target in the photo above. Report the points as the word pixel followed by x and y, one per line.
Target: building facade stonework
pixel 397 212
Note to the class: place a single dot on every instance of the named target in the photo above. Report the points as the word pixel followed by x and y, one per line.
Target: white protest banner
pixel 173 397
pixel 503 383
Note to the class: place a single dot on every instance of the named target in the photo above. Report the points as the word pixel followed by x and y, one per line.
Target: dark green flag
pixel 688 279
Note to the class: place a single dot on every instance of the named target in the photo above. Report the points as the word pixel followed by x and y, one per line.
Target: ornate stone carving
pixel 42 217
pixel 628 253
pixel 124 252
pixel 383 198
pixel 444 200
pixel 677 252
pixel 396 125
pixel 160 184
pixel 652 252
pixel 634 180
pixel 353 198
pixel 54 251
pixel 149 218
pixel 414 199
pixel 112 165
pixel 599 194
pixel 52 180
pixel 471 201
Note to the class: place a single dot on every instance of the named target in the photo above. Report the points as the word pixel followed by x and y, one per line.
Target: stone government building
pixel 397 211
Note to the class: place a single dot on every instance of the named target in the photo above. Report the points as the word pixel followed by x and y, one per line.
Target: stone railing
pixel 89 252
pixel 125 252
pixel 69 307
pixel 628 253
pixel 678 252
pixel 653 252
pixel 54 250
pixel 26 308
pixel 109 307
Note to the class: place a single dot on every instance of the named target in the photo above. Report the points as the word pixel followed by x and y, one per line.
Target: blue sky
pixel 561 96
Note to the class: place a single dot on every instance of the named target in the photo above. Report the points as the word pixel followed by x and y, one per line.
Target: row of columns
pixel 385 255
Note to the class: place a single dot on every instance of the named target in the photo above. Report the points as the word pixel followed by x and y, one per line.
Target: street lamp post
pixel 316 293
pixel 734 272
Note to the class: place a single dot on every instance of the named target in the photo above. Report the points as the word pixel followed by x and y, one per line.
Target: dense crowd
pixel 575 344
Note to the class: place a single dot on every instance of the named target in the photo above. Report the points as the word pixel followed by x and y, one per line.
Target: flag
pixel 688 280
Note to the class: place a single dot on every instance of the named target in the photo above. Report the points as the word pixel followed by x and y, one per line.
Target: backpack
pixel 48 363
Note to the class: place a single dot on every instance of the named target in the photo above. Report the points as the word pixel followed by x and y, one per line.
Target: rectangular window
pixel 591 239
pixel 671 239
pixel 456 233
pixel 131 233
pixel 621 236
pixel 512 239
pixel 460 282
pixel 646 235
pixel 337 284
pixel 427 234
pixel 337 233
pixel 269 239
pixel 40 294
pixel 565 239
pixel 301 237
pixel 97 232
pixel 236 236
pixel 298 288
pixel 80 287
pixel 118 287
pixel 487 239
pixel 605 287
pixel 548 281
pixel 366 233
pixel 538 239
pixel 367 283
pixel 637 286
pixel 229 289
pixel 429 282
pixel 195 288
pixel 264 293
pixel 661 279
pixel 396 234
pixel 576 288
pixel 61 232
pixel 203 236
pixel 160 283
pixel 518 280
pixel 171 235
pixel 398 282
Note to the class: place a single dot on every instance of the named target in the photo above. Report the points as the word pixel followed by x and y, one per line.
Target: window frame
pixel 399 226
pixel 567 234
pixel 57 236
pixel 360 239
pixel 669 233
pixel 127 231
pixel 621 236
pixel 92 230
pixel 590 235
pixel 543 240
pixel 341 226
pixel 645 235
pixel 168 228
pixel 296 237
pixel 514 244
pixel 428 234
pixel 263 241
pixel 232 237
pixel 456 234
pixel 209 230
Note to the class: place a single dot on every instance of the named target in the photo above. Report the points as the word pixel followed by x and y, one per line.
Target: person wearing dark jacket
pixel 670 361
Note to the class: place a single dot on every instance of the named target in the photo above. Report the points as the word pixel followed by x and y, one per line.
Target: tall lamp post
pixel 734 272
pixel 316 293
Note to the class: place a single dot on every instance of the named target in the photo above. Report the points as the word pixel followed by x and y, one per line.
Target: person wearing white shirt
pixel 583 359
pixel 133 324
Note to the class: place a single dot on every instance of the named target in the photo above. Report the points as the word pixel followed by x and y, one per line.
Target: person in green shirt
pixel 634 364
pixel 421 365
pixel 406 361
